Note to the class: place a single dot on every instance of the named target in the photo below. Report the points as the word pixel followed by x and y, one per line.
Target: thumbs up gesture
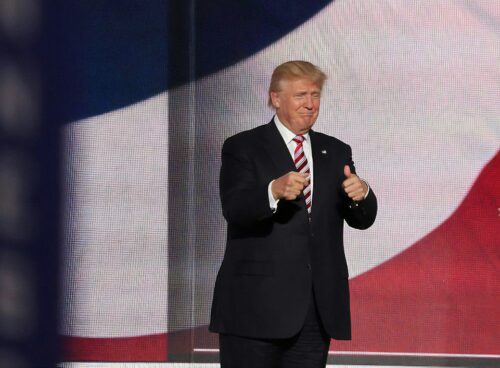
pixel 354 187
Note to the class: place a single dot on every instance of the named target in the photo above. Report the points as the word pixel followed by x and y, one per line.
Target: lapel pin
pixel 323 152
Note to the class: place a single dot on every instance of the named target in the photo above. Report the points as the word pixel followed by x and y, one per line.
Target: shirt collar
pixel 286 133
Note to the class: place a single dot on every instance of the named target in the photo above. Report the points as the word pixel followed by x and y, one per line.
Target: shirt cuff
pixel 367 185
pixel 273 203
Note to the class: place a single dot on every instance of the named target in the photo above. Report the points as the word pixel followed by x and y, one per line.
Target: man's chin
pixel 308 122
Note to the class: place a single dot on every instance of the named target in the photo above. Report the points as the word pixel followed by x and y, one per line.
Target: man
pixel 282 290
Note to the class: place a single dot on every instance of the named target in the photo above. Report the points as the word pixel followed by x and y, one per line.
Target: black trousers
pixel 307 349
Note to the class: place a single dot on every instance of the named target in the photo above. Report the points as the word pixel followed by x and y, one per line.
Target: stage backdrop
pixel 155 87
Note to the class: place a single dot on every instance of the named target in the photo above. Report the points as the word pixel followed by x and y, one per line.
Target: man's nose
pixel 309 102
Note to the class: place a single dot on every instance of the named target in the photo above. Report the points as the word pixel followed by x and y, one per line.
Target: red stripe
pixel 441 295
pixel 304 164
pixel 152 348
pixel 299 157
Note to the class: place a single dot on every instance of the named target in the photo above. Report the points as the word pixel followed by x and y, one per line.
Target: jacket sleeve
pixel 244 199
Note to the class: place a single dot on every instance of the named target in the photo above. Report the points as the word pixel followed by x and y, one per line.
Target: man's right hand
pixel 289 186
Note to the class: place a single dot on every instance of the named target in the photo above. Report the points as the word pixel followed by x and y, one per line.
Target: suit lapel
pixel 277 149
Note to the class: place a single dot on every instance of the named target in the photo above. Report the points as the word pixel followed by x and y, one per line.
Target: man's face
pixel 297 104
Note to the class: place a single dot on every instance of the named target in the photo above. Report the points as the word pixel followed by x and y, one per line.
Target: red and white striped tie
pixel 303 167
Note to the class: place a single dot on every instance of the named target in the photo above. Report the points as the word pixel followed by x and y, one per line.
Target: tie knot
pixel 299 139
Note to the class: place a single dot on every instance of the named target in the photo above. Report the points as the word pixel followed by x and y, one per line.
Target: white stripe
pixel 198 365
pixel 381 353
pixel 298 163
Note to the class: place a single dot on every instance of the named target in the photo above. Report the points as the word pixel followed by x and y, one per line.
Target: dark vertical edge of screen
pixel 38 205
pixel 56 92
pixel 181 209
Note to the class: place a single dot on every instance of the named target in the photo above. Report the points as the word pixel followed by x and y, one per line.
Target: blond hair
pixel 292 70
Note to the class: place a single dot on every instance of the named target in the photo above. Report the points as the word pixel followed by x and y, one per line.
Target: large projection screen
pixel 414 88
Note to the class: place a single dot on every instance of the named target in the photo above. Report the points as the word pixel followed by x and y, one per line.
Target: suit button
pixel 312 235
pixel 309 266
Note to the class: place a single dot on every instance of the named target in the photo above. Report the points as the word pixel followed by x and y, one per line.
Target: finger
pixel 298 188
pixel 291 177
pixel 347 171
pixel 297 173
pixel 300 176
pixel 353 189
pixel 303 180
pixel 294 188
pixel 352 180
pixel 354 192
pixel 357 195
pixel 292 194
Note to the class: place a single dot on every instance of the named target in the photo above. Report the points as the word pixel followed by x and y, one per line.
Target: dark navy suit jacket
pixel 274 262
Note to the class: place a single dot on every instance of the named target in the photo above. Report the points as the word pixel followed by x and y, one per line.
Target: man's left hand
pixel 354 187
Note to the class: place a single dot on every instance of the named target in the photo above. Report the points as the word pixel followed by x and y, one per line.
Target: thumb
pixel 347 171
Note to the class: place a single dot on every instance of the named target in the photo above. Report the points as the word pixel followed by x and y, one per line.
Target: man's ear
pixel 275 99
